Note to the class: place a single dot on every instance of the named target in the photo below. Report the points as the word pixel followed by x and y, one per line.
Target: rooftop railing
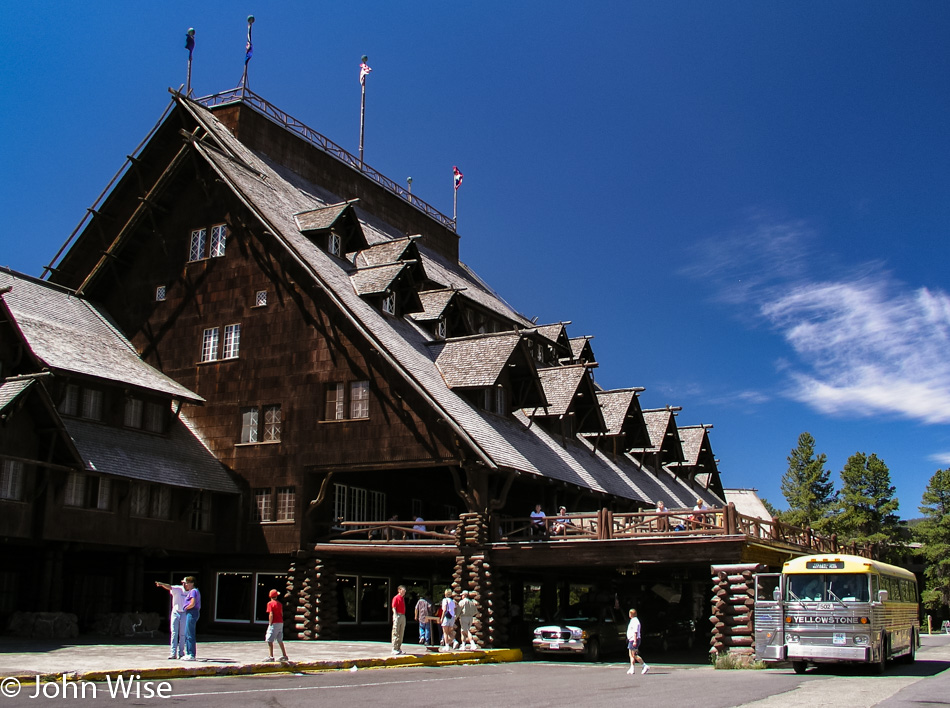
pixel 321 142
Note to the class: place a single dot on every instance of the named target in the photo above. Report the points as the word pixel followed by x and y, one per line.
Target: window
pixel 359 399
pixel 265 510
pixel 253 431
pixel 440 328
pixel 138 500
pixel 70 403
pixel 155 417
pixel 263 505
pixel 201 512
pixel 149 501
pixel 134 410
pixel 160 293
pixel 219 235
pixel 209 344
pixel 336 406
pixel 11 480
pixel 160 502
pixel 199 238
pixel 92 404
pixel 355 504
pixel 337 403
pixel 198 248
pixel 260 298
pixel 88 491
pixel 286 503
pixel 389 303
pixel 232 341
pixel 333 244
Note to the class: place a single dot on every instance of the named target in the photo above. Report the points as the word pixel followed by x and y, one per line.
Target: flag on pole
pixel 364 70
pixel 250 46
pixel 190 41
pixel 458 177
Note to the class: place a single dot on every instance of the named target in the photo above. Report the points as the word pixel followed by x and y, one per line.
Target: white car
pixel 586 630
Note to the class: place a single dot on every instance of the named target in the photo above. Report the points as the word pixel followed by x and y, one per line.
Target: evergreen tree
pixel 934 533
pixel 807 487
pixel 867 510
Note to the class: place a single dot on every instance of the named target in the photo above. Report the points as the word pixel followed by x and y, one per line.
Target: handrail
pixel 245 95
pixel 604 525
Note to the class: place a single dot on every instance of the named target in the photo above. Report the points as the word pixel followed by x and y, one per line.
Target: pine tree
pixel 807 487
pixel 867 510
pixel 934 533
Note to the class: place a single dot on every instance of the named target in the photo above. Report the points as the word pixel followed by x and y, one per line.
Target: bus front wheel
pixel 799 666
pixel 881 663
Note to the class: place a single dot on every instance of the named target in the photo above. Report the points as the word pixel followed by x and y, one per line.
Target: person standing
pixel 449 611
pixel 192 609
pixel 275 626
pixel 422 612
pixel 399 619
pixel 467 610
pixel 176 619
pixel 633 643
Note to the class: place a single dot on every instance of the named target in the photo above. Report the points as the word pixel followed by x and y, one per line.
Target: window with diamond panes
pixel 260 298
pixel 219 235
pixel 271 423
pixel 199 240
pixel 249 419
pixel 160 293
pixel 232 341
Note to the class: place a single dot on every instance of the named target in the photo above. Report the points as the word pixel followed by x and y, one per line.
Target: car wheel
pixel 800 666
pixel 593 650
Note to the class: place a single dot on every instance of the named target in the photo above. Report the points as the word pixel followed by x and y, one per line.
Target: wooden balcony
pixel 602 538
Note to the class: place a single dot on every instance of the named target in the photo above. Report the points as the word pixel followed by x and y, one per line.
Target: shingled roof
pixel 623 416
pixel 67 333
pixel 434 304
pixel 477 361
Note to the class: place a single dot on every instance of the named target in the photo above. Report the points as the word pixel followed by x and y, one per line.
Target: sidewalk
pixel 82 659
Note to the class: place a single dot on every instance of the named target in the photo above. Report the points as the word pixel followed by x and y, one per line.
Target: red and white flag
pixel 364 70
pixel 458 177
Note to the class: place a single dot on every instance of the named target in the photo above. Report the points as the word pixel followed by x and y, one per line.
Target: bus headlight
pixel 793 638
pixel 860 639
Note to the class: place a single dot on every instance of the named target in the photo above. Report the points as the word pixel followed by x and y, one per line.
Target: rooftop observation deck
pixel 321 142
pixel 602 539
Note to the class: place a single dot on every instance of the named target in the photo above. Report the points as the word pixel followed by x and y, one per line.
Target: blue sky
pixel 745 203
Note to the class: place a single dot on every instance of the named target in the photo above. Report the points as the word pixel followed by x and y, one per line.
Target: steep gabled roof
pixel 375 280
pixel 11 390
pixel 570 389
pixel 336 217
pixel 399 249
pixel 476 361
pixel 69 334
pixel 434 304
pixel 664 438
pixel 581 349
pixel 623 416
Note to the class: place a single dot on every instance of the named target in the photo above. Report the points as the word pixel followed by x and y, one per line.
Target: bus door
pixel 769 616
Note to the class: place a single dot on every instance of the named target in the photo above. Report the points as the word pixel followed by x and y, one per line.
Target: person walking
pixel 399 619
pixel 192 609
pixel 275 626
pixel 176 619
pixel 467 610
pixel 633 643
pixel 421 614
pixel 449 612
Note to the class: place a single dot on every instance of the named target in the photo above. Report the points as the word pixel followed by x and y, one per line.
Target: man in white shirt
pixel 176 619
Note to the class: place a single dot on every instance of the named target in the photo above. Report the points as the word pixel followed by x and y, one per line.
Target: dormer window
pixel 389 303
pixel 334 244
pixel 495 400
pixel 440 328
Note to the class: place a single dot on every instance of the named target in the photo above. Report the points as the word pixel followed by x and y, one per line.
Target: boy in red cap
pixel 275 627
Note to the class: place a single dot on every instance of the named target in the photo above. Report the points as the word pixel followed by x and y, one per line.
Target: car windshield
pixel 827 587
pixel 582 612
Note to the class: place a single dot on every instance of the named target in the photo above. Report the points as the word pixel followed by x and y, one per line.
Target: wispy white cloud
pixel 941 458
pixel 864 344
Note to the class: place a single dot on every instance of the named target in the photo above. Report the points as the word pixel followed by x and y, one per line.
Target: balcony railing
pixel 321 142
pixel 600 526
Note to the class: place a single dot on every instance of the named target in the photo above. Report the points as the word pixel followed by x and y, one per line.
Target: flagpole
pixel 249 52
pixel 190 46
pixel 362 105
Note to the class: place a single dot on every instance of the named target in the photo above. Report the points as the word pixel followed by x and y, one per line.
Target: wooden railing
pixel 602 525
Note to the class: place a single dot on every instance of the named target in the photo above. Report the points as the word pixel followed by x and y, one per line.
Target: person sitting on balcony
pixel 418 526
pixel 561 522
pixel 538 526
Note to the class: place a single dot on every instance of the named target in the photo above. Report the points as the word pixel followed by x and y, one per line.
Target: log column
pixel 311 597
pixel 473 572
pixel 733 606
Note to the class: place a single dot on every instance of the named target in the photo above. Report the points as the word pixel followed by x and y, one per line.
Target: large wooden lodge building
pixel 260 362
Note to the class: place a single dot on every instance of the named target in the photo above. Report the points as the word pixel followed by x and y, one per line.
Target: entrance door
pixel 769 618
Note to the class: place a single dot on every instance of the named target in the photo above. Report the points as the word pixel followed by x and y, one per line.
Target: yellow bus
pixel 834 608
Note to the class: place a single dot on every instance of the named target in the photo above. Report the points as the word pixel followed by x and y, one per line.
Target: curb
pixel 488 656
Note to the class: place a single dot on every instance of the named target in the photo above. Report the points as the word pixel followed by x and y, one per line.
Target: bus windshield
pixel 827 587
